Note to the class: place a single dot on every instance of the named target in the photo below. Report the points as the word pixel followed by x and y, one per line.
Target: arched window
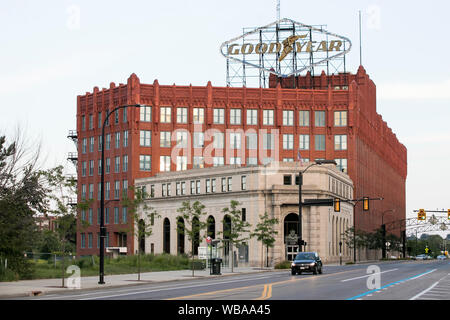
pixel 166 236
pixel 180 235
pixel 211 227
pixel 290 225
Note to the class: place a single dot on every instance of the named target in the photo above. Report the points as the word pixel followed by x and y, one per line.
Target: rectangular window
pixel 99 165
pixel 83 123
pixel 91 144
pixel 219 116
pixel 83 191
pixel 213 185
pixel 319 117
pixel 207 185
pixel 197 186
pixel 106 215
pixel 199 140
pixel 145 163
pixel 100 139
pixel 181 163
pixel 199 115
pixel 91 168
pixel 99 119
pixel 340 118
pixel 145 138
pixel 224 184
pixel 117 164
pixel 288 159
pixel 152 191
pixel 91 121
pixel 182 114
pixel 124 214
pixel 125 163
pixel 252 161
pixel 145 113
pixel 182 139
pixel 163 190
pixel 164 139
pixel 108 142
pixel 340 142
pixel 268 141
pixel 183 188
pixel 192 187
pixel 218 161
pixel 165 114
pixel 287 180
pixel 124 115
pixel 116 117
pixel 125 138
pixel 164 163
pixel 252 116
pixel 252 141
pixel 116 189
pixel 99 191
pixel 117 140
pixel 89 240
pixel 268 117
pixel 288 117
pixel 235 140
pixel 243 182
pixel 303 117
pixel 83 240
pixel 341 165
pixel 84 145
pixel 178 188
pixel 83 168
pixel 91 191
pixel 230 183
pixel 304 142
pixel 288 141
pixel 218 140
pixel 319 142
pixel 235 116
pixel 125 188
pixel 244 214
pixel 235 160
pixel 108 165
pixel 116 215
pixel 198 162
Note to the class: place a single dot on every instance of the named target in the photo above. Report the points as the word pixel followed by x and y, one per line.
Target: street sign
pixel 426 250
pixel 202 253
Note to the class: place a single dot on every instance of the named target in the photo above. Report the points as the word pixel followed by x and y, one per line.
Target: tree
pixel 238 233
pixel 265 232
pixel 193 224
pixel 21 196
pixel 141 226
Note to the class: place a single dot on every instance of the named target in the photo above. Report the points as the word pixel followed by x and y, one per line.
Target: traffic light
pixel 365 204
pixel 422 215
pixel 337 205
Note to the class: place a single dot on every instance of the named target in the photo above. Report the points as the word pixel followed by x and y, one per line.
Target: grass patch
pixel 283 265
pixel 89 266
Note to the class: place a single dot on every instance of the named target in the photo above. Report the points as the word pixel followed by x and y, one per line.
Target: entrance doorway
pixel 291 236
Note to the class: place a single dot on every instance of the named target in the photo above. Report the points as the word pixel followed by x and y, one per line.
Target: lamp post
pixel 102 197
pixel 300 183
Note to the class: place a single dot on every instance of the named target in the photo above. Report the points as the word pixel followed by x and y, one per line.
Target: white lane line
pixel 421 275
pixel 365 276
pixel 424 291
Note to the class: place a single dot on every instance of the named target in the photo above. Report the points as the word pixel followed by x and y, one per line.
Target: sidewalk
pixel 45 286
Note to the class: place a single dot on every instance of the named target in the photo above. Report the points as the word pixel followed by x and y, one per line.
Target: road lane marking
pixel 390 284
pixel 426 290
pixel 267 292
pixel 368 275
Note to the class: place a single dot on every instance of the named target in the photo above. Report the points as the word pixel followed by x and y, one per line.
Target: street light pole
pixel 102 197
pixel 300 183
pixel 383 227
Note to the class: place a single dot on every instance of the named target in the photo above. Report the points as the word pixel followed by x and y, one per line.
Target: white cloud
pixel 414 91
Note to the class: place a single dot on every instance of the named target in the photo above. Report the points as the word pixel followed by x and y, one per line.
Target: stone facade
pixel 271 188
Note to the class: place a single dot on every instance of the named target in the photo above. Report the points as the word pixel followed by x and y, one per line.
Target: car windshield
pixel 305 256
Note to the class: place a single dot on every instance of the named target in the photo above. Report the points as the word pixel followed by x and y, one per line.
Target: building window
pixel 125 163
pixel 106 215
pixel 340 142
pixel 83 168
pixel 230 183
pixel 145 138
pixel 252 116
pixel 252 141
pixel 199 115
pixel 163 189
pixel 319 142
pixel 108 165
pixel 268 141
pixel 164 139
pixel 252 161
pixel 152 191
pixel 164 163
pixel 197 186
pixel 83 240
pixel 91 121
pixel 219 116
pixel 100 139
pixel 218 161
pixel 125 188
pixel 198 162
pixel 116 117
pixel 192 187
pixel 91 144
pixel 287 180
pixel 288 141
pixel 213 185
pixel 145 163
pixel 199 140
pixel 244 214
pixel 341 165
pixel 268 117
pixel 84 145
pixel 235 116
pixel 207 185
pixel 235 140
pixel 182 139
pixel 182 115
pixel 243 182
pixel 91 191
pixel 288 159
pixel 116 189
pixel 124 214
pixel 340 118
pixel 181 163
pixel 224 184
pixel 235 160
pixel 266 161
pixel 124 115
pixel 145 113
pixel 165 115
pixel 178 188
pixel 319 117
pixel 116 215
pixel 288 117
pixel 83 191
pixel 117 140
pixel 99 118
pixel 125 138
pixel 304 142
pixel 108 141
pixel 183 188
pixel 89 240
pixel 303 116
pixel 83 123
pixel 218 140
pixel 117 164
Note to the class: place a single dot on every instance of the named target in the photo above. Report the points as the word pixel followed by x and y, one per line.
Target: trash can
pixel 216 262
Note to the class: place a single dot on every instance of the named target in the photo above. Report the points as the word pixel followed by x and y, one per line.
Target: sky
pixel 53 51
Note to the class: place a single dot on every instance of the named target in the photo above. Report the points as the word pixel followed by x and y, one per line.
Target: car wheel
pixel 315 270
pixel 293 272
pixel 320 270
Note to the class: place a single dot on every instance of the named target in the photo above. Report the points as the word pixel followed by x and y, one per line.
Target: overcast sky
pixel 53 51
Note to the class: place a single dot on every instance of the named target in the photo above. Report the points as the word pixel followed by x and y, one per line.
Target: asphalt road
pixel 403 280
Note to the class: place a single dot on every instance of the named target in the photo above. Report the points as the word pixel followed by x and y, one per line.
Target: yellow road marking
pixel 267 288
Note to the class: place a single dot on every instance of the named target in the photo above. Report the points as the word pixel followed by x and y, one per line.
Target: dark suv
pixel 306 262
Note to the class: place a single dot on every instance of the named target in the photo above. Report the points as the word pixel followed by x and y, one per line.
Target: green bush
pixel 283 265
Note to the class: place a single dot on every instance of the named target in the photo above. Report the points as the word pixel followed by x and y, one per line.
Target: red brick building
pixel 335 120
